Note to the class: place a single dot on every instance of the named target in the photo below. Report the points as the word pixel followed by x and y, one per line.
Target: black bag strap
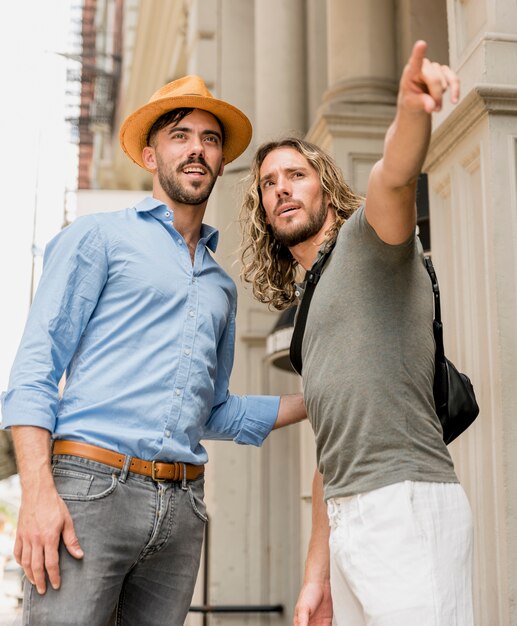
pixel 437 323
pixel 312 277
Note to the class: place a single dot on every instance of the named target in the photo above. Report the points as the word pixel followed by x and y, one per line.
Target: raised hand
pixel 424 82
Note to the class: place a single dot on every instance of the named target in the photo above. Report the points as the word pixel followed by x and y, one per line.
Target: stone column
pixel 255 53
pixel 317 71
pixel 361 51
pixel 358 104
pixel 280 61
pixel 280 109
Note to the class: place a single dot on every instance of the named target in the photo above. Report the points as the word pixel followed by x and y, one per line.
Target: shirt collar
pixel 159 210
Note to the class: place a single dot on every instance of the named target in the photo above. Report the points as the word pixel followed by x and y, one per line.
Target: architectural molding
pixel 481 101
pixel 471 162
pixel 340 119
pixel 443 188
pixel 363 90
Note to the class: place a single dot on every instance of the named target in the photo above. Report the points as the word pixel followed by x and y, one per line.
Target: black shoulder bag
pixel 454 396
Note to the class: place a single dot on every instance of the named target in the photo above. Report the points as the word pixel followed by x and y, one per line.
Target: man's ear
pixel 149 158
pixel 221 169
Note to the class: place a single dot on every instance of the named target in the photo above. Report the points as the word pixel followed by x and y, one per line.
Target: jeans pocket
pixel 73 485
pixel 196 493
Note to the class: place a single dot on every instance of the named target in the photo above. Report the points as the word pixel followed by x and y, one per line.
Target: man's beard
pixel 180 193
pixel 302 232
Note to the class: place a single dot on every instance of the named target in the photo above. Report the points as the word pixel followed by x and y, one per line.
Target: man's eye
pixel 267 183
pixel 178 135
pixel 212 138
pixel 298 174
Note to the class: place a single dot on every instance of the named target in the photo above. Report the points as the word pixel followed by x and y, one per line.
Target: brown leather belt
pixel 156 470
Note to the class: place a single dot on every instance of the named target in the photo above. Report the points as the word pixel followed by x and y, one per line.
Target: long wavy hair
pixel 266 264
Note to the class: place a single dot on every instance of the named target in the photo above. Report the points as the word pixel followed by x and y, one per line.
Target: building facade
pixel 328 70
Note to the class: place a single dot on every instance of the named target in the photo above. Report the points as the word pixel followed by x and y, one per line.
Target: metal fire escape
pixel 93 76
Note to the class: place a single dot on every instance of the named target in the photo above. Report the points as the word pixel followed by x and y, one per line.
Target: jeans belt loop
pixel 184 481
pixel 125 469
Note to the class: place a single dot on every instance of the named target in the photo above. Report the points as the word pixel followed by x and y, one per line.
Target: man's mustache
pixel 192 161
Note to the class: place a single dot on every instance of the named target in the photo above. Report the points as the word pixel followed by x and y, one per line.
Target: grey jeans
pixel 141 541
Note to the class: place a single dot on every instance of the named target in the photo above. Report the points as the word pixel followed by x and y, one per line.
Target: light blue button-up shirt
pixel 146 339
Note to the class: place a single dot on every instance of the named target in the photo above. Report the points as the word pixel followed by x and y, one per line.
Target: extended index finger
pixel 417 57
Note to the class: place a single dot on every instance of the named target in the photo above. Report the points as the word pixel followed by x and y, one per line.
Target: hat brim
pixel 237 127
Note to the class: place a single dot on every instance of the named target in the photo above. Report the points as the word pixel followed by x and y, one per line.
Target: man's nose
pixel 283 187
pixel 196 146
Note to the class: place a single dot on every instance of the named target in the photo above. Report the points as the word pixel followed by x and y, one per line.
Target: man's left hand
pixel 424 82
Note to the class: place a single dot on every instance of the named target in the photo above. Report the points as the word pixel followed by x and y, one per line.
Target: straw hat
pixel 190 92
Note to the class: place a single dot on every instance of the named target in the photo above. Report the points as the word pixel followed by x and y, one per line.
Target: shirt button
pixel 297 294
pixel 191 313
pixel 167 433
pixel 178 392
pixel 167 214
pixel 187 352
pixel 179 242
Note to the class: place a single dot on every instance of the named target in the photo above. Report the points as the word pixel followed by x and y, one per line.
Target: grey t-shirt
pixel 368 366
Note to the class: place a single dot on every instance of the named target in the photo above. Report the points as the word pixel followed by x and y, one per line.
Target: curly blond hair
pixel 266 264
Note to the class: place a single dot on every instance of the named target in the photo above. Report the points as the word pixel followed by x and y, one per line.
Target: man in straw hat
pixel 135 309
pixel 393 544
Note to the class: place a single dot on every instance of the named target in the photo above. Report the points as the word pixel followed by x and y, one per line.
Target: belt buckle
pixel 153 474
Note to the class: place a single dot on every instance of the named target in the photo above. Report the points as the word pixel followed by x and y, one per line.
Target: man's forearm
pixel 291 410
pixel 32 447
pixel 317 565
pixel 405 147
pixel 44 518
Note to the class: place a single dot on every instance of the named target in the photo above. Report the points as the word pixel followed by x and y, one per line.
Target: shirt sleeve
pixel 245 419
pixel 75 269
pixel 390 253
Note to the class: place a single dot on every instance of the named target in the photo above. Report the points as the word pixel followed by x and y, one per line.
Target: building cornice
pixel 340 119
pixel 483 100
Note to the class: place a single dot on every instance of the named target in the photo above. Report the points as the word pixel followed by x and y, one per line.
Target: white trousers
pixel 402 556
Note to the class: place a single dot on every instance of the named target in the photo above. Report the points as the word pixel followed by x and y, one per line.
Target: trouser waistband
pixel 156 470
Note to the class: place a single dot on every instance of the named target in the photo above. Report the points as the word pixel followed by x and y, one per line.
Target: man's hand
pixel 423 82
pixel 44 517
pixel 314 606
pixel 41 523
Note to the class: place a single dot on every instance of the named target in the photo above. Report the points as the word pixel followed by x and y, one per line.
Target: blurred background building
pixel 328 70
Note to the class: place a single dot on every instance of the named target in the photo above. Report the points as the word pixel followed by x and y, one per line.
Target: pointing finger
pixel 417 57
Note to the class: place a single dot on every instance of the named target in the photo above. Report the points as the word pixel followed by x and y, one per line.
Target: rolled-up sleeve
pixel 245 419
pixel 75 269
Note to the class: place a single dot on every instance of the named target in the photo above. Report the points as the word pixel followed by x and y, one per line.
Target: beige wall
pixel 329 71
pixel 472 178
